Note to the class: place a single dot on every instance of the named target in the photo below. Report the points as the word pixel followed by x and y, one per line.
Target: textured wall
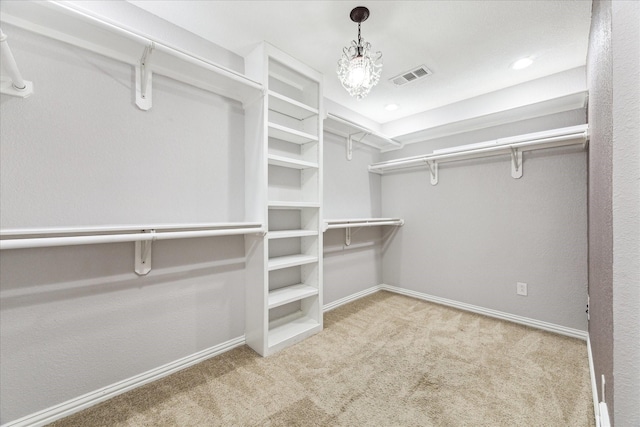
pixel 477 232
pixel 350 191
pixel 626 211
pixel 599 78
pixel 77 152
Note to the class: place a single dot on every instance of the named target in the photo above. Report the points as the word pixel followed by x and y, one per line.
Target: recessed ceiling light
pixel 522 63
pixel 391 107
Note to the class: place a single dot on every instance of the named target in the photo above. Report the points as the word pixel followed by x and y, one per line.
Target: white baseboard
pixel 349 298
pixel 538 324
pixel 72 406
pixel 594 385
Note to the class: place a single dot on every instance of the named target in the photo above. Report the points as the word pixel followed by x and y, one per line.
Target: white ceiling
pixel 469 45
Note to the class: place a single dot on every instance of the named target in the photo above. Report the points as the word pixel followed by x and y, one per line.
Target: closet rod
pixel 151 235
pixel 398 222
pixel 363 129
pixel 578 138
pixel 146 41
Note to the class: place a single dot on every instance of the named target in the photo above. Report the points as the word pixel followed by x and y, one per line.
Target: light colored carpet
pixel 384 360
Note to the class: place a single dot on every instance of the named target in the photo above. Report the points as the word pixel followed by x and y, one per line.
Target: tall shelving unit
pixel 284 189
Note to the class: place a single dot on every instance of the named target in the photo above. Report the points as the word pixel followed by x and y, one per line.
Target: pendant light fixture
pixel 358 69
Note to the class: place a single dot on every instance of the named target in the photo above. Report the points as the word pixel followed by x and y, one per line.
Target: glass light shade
pixel 358 70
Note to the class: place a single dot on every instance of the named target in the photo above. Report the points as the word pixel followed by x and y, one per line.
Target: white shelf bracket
pixel 143 79
pixel 143 255
pixel 350 147
pixel 433 171
pixel 347 236
pixel 350 143
pixel 516 163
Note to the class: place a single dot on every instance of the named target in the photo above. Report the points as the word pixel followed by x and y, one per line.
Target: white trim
pixel 538 324
pixel 350 298
pixel 594 385
pixel 77 404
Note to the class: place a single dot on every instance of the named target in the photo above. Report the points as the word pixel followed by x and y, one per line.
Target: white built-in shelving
pixel 284 294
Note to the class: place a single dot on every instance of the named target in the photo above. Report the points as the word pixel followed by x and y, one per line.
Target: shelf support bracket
pixel 516 163
pixel 433 171
pixel 143 79
pixel 143 255
pixel 347 236
pixel 350 147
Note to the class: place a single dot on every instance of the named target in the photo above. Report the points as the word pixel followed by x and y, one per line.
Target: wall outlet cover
pixel 521 288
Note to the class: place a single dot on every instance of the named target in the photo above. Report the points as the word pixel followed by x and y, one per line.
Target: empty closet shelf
pixel 288 162
pixel 289 294
pixel 290 107
pixel 290 261
pixel 285 234
pixel 293 327
pixel 290 135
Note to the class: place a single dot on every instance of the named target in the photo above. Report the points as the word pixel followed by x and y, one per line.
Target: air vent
pixel 411 76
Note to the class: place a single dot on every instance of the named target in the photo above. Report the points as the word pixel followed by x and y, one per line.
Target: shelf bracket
pixel 347 236
pixel 516 163
pixel 143 255
pixel 433 171
pixel 350 143
pixel 15 85
pixel 143 79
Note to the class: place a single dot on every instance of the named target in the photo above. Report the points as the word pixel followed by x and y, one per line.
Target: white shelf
pixel 285 234
pixel 290 261
pixel 290 135
pixel 290 107
pixel 294 327
pixel 292 205
pixel 289 294
pixel 287 162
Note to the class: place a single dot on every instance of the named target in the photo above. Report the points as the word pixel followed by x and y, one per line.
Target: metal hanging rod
pixel 576 135
pixel 20 238
pixel 353 223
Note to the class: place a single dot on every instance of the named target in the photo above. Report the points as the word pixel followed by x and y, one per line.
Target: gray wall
pixel 350 191
pixel 79 152
pixel 599 78
pixel 477 232
pixel 614 208
pixel 626 211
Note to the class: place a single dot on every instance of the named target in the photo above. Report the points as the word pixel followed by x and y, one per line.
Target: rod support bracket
pixel 516 163
pixel 433 171
pixel 347 236
pixel 143 79
pixel 143 255
pixel 350 147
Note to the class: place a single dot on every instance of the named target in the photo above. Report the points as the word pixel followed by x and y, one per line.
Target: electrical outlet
pixel 521 289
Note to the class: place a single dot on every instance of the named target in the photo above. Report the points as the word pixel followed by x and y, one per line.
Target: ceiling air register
pixel 358 69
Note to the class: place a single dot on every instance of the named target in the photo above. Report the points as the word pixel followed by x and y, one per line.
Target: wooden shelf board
pixel 290 107
pixel 284 234
pixel 292 205
pixel 290 135
pixel 292 329
pixel 289 294
pixel 288 162
pixel 290 261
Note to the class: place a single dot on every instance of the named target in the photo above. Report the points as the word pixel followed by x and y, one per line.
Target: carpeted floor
pixel 383 360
